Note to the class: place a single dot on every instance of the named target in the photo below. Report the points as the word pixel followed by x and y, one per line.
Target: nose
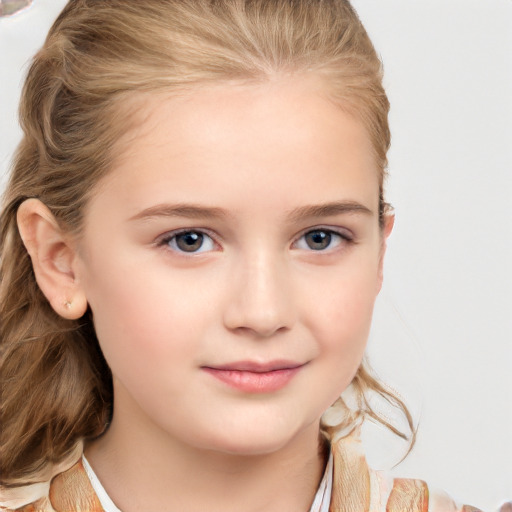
pixel 261 302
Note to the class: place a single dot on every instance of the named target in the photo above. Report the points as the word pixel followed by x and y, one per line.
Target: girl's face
pixel 231 260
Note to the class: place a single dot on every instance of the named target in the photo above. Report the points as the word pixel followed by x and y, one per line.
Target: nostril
pixel 258 326
pixel 259 319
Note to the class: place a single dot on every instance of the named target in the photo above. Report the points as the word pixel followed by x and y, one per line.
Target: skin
pixel 257 289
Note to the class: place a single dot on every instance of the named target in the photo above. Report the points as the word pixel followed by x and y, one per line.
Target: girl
pixel 192 243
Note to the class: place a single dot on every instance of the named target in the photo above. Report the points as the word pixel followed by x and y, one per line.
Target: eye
pixel 189 242
pixel 321 240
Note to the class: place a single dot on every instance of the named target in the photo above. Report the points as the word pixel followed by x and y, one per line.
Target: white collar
pixel 320 503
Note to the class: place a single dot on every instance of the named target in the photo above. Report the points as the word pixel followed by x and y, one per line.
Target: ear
pixel 389 222
pixel 53 256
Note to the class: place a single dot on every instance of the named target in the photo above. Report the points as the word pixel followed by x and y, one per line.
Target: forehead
pixel 278 135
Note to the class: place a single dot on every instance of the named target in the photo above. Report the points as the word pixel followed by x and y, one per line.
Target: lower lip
pixel 255 382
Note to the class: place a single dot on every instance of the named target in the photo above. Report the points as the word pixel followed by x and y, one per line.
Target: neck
pixel 163 473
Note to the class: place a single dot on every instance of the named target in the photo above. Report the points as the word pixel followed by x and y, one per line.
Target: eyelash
pixel 170 240
pixel 342 238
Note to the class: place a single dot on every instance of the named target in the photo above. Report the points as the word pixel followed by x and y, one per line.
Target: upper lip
pixel 256 367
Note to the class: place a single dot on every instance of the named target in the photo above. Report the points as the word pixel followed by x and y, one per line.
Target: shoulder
pixel 356 487
pixel 411 495
pixel 70 490
pixel 439 501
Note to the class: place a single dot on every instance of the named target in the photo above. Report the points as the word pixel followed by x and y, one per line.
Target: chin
pixel 252 441
pixel 252 448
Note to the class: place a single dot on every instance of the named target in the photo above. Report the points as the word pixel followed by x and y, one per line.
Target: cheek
pixel 134 319
pixel 340 320
pixel 147 317
pixel 145 347
pixel 343 317
pixel 346 332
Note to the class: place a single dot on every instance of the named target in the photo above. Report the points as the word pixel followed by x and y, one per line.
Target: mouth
pixel 253 377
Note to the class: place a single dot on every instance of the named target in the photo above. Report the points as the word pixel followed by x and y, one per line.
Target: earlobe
pixel 53 255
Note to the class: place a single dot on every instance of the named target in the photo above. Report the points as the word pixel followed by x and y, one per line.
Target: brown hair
pixel 56 388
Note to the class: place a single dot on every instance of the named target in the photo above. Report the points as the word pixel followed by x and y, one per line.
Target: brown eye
pixel 318 240
pixel 191 242
pixel 324 240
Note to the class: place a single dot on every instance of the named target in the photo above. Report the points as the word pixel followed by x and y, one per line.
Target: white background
pixel 442 333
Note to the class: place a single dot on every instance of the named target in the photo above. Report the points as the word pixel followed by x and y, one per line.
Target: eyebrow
pixel 328 210
pixel 189 211
pixel 192 211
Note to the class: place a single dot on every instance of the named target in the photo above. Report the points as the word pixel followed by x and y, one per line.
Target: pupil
pixel 318 240
pixel 189 242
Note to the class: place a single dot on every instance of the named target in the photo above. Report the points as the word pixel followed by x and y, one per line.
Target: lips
pixel 254 377
pixel 255 367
